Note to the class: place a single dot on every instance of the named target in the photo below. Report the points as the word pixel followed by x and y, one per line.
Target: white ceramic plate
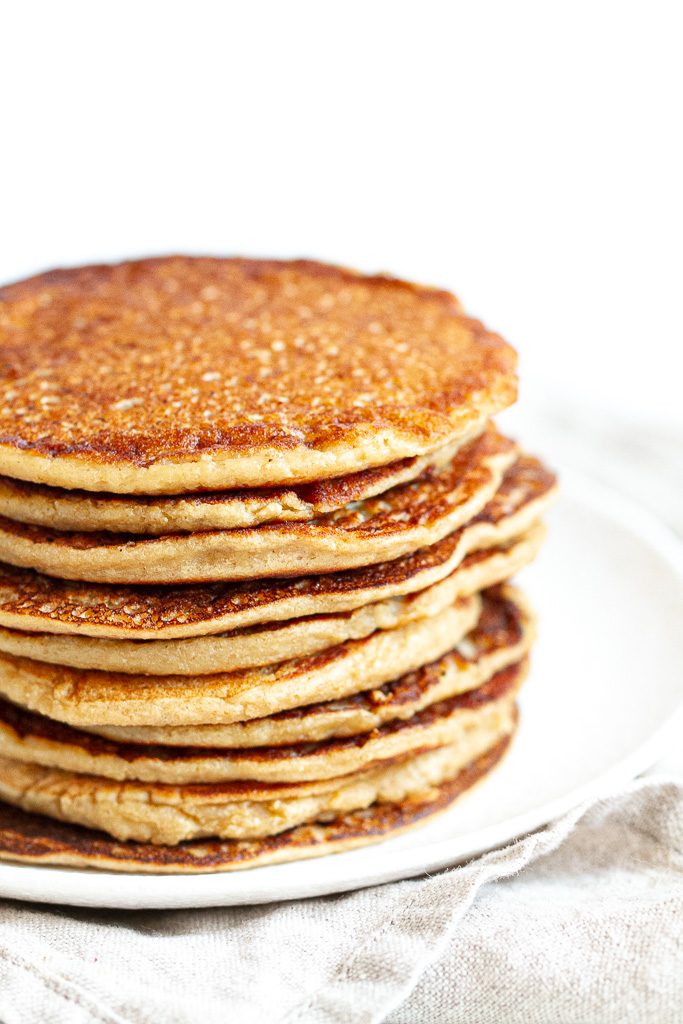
pixel 601 705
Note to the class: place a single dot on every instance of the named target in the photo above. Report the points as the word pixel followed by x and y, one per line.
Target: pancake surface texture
pixel 178 374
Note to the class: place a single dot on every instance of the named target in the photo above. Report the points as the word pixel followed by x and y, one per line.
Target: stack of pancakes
pixel 256 525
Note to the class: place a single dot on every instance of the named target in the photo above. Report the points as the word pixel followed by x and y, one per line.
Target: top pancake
pixel 178 374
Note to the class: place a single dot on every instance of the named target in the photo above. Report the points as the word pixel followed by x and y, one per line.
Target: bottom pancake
pixel 168 814
pixel 36 839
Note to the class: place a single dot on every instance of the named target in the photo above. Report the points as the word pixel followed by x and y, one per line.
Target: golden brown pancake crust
pixel 431 727
pixel 384 527
pixel 33 838
pixel 171 374
pixel 505 620
pixel 502 636
pixel 269 643
pixel 93 697
pixel 63 509
pixel 31 600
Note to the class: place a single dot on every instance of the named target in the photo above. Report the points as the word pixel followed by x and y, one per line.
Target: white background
pixel 526 155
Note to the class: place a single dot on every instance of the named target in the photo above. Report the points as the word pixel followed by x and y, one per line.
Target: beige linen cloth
pixel 580 923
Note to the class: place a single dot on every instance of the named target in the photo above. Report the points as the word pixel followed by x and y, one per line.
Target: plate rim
pixel 114 890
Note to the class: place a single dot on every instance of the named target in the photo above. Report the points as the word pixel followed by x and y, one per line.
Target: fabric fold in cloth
pixel 585 925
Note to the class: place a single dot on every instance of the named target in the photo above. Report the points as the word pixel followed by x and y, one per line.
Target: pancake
pixel 159 813
pixel 61 509
pixel 35 839
pixel 176 374
pixel 34 602
pixel 502 636
pixel 26 736
pixel 273 642
pixel 385 527
pixel 87 697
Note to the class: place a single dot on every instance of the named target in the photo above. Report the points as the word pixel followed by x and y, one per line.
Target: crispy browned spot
pixel 499 625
